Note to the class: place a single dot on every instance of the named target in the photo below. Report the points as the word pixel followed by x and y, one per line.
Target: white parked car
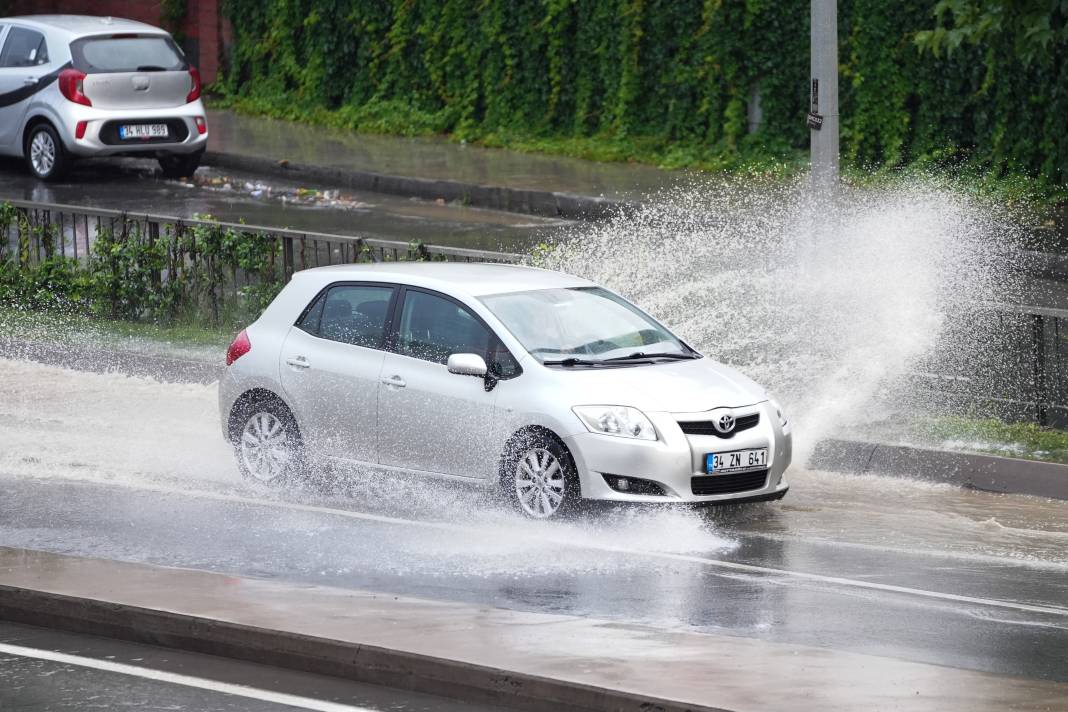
pixel 542 384
pixel 74 86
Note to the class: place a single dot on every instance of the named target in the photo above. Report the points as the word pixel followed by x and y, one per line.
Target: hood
pixel 675 387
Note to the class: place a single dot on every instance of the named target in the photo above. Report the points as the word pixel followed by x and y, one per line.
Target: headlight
pixel 778 411
pixel 619 420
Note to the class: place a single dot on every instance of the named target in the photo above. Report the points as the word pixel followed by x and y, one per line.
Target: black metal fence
pixel 75 228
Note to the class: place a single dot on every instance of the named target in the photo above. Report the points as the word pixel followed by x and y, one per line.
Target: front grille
pixel 729 484
pixel 109 132
pixel 706 427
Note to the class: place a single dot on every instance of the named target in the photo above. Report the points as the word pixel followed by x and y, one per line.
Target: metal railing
pixel 74 229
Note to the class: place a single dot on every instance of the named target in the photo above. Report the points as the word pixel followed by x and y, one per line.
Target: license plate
pixel 143 131
pixel 722 463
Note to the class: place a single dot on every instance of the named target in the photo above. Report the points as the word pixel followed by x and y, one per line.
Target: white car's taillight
pixel 72 86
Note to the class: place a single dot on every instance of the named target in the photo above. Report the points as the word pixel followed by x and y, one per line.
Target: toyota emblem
pixel 725 423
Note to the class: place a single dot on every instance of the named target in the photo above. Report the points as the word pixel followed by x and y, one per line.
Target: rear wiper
pixel 571 361
pixel 641 356
pixel 151 68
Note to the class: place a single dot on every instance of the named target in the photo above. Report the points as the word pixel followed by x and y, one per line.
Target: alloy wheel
pixel 540 485
pixel 265 447
pixel 42 153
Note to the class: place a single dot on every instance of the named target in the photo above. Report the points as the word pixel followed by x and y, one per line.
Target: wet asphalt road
pixel 134 185
pixel 101 465
pixel 32 682
pixel 658 567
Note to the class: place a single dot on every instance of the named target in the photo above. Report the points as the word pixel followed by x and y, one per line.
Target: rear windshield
pixel 127 53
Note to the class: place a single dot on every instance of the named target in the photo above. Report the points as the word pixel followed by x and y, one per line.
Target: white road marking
pixel 686 558
pixel 226 688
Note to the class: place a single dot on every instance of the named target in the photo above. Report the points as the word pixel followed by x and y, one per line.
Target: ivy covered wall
pixel 678 73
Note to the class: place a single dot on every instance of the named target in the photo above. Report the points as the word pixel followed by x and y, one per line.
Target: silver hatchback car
pixel 75 86
pixel 544 385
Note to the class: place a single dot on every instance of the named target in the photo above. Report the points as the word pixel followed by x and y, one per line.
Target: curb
pixel 363 663
pixel 514 200
pixel 988 473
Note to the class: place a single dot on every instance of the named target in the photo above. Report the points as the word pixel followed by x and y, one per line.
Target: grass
pixel 188 341
pixel 1023 440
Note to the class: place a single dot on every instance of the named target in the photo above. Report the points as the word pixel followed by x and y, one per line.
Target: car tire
pixel 180 166
pixel 267 443
pixel 538 477
pixel 45 154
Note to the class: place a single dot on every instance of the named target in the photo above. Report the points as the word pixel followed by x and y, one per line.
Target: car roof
pixel 473 279
pixel 79 25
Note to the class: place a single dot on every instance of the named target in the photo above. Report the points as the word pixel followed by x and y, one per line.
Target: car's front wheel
pixel 539 478
pixel 180 166
pixel 267 443
pixel 46 157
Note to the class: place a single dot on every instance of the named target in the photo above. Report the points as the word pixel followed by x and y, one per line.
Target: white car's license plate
pixel 143 131
pixel 722 463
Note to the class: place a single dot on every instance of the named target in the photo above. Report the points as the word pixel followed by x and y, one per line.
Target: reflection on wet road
pixel 134 186
pixel 131 469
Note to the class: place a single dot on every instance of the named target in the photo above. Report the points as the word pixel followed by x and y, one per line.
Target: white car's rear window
pixel 127 53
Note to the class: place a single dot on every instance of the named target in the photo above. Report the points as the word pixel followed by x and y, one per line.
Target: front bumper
pixel 100 138
pixel 676 459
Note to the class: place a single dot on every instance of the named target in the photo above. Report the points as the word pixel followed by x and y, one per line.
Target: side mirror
pixel 467 365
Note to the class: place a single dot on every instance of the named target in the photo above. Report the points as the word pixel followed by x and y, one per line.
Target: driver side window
pixel 433 328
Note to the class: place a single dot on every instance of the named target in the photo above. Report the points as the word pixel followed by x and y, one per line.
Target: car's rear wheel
pixel 539 478
pixel 45 155
pixel 180 166
pixel 267 443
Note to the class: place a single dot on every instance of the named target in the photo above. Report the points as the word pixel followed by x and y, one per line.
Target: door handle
pixel 30 81
pixel 395 381
pixel 298 362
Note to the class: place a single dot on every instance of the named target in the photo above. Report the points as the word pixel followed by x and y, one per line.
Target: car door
pixel 330 366
pixel 24 66
pixel 429 419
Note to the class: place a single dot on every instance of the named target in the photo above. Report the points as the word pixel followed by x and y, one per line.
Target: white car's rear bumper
pixel 101 131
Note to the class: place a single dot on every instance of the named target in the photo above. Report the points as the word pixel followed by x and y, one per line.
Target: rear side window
pixel 24 48
pixel 351 314
pixel 127 53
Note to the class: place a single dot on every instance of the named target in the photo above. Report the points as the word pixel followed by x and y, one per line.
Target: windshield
pixel 127 53
pixel 587 323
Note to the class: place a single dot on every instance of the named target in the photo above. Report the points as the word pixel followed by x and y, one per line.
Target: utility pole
pixel 823 109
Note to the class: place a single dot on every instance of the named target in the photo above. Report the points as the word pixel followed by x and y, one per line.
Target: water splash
pixel 830 306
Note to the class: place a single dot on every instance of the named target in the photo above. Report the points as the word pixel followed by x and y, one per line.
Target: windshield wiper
pixel 571 361
pixel 641 356
pixel 151 68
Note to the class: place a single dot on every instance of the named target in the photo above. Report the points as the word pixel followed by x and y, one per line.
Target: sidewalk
pixel 533 661
pixel 487 177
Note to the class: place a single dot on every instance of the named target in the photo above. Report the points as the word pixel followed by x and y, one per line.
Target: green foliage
pixel 203 274
pixel 171 16
pixel 668 81
pixel 1025 440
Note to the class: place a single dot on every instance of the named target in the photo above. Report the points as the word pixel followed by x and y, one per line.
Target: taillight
pixel 72 86
pixel 239 348
pixel 194 93
pixel 202 125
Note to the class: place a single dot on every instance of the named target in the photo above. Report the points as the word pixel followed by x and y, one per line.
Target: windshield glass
pixel 588 323
pixel 127 53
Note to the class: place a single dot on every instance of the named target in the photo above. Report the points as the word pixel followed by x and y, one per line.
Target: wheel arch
pixel 247 399
pixel 528 432
pixel 32 122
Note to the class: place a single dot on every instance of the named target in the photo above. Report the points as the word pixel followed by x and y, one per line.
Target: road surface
pixel 134 185
pixel 132 469
pixel 43 670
